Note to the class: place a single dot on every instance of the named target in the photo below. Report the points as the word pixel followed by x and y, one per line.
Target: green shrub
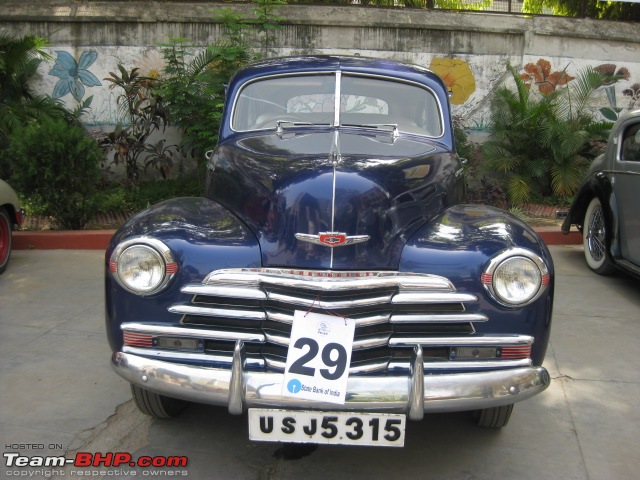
pixel 56 170
pixel 117 198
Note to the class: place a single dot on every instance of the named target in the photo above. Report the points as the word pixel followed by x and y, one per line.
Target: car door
pixel 627 188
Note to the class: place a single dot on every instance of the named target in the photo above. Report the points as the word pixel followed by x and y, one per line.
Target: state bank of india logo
pixel 294 386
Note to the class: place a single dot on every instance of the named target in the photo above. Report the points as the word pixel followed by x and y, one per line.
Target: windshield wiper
pixel 377 126
pixel 294 123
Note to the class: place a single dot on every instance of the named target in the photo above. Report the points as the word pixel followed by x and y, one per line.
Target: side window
pixel 631 144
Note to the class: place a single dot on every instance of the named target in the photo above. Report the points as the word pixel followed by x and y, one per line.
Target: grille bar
pixel 328 281
pixel 361 320
pixel 247 293
pixel 329 304
pixel 219 312
pixel 460 341
pixel 437 318
pixel 420 298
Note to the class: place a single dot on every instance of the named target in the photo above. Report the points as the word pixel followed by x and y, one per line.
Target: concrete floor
pixel 59 396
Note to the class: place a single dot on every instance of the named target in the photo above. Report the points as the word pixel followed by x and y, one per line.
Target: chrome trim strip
pixel 361 321
pixel 336 99
pixel 403 341
pixel 218 312
pixel 327 280
pixel 329 305
pixel 386 393
pixel 437 318
pixel 247 293
pixel 428 297
pixel 160 330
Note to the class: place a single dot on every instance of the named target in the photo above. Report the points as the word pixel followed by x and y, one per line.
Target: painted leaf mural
pixel 74 75
pixel 457 75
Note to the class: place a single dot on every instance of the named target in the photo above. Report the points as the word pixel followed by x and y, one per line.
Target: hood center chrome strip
pixel 335 158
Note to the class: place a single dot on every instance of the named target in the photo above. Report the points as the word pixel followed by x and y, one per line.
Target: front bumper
pixel 414 394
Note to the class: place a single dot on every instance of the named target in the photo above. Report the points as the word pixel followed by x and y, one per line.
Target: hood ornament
pixel 332 239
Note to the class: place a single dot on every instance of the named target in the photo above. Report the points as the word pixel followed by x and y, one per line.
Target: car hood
pixel 293 187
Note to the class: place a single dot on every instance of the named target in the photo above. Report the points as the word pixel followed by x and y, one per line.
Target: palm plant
pixel 517 120
pixel 544 143
pixel 571 134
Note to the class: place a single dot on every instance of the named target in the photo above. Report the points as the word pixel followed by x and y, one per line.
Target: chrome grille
pixel 393 312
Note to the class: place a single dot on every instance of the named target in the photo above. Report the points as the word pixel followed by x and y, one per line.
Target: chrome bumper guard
pixel 414 395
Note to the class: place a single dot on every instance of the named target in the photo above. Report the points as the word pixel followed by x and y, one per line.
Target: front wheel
pixel 495 417
pixel 595 238
pixel 5 239
pixel 155 405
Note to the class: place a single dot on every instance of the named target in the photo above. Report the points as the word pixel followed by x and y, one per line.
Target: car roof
pixel 328 63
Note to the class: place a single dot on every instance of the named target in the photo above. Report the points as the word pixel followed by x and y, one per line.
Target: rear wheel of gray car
pixel 595 238
pixel 495 417
pixel 155 405
pixel 5 239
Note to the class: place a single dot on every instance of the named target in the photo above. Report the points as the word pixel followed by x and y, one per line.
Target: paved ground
pixel 58 394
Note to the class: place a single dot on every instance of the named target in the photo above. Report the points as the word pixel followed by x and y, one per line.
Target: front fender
pixel 459 243
pixel 597 184
pixel 202 235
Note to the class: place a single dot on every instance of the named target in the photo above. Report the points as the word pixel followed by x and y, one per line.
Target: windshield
pixel 311 99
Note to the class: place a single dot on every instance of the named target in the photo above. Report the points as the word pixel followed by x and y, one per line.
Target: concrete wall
pixel 471 51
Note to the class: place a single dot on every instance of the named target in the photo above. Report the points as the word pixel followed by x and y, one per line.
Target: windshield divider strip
pixel 336 116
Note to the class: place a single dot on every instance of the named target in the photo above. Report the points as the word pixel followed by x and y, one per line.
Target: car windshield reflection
pixel 363 102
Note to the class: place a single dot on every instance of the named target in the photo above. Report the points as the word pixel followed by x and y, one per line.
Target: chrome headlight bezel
pixel 157 249
pixel 488 277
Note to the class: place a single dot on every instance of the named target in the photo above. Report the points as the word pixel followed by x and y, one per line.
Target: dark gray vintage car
pixel 331 282
pixel 605 209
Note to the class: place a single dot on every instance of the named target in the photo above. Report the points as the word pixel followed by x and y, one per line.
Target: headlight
pixel 142 265
pixel 516 277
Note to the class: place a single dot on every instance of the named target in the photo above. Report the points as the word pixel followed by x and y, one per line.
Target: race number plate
pixel 318 358
pixel 346 428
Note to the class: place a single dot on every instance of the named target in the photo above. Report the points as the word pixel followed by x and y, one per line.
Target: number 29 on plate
pixel 318 358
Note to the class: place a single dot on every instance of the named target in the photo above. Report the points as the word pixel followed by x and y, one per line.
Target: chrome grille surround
pixel 394 313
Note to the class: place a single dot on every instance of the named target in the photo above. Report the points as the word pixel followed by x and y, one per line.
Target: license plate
pixel 345 428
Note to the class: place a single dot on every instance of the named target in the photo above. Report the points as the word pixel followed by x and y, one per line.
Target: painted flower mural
pixel 540 75
pixel 457 75
pixel 74 75
pixel 633 93
pixel 152 64
pixel 611 75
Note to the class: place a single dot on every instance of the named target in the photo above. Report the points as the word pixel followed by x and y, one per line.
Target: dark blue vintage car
pixel 331 282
